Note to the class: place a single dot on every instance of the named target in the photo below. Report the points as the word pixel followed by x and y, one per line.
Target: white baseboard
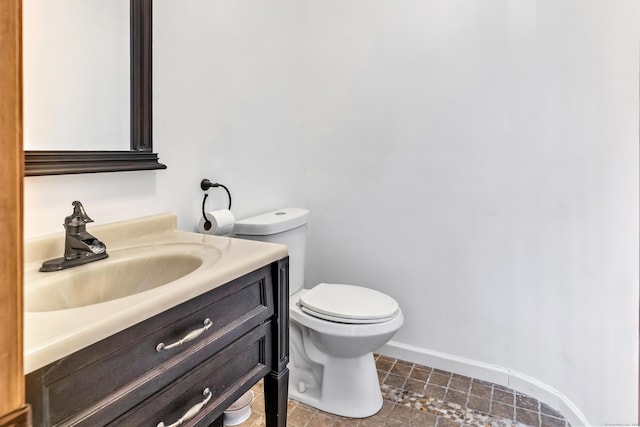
pixel 487 372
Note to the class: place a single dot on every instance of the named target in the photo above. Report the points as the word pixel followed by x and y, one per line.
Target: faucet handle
pixel 79 215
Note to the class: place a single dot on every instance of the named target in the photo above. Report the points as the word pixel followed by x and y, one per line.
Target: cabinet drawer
pixel 225 376
pixel 81 389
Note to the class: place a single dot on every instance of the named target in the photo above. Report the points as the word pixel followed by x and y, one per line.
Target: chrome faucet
pixel 80 247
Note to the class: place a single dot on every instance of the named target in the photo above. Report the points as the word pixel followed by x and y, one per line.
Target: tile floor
pixel 416 395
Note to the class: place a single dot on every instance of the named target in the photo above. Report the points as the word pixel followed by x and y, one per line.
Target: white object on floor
pixel 239 411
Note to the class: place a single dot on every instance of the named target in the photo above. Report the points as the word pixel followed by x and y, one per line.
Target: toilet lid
pixel 348 304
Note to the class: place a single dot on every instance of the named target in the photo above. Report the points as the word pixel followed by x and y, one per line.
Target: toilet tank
pixel 286 226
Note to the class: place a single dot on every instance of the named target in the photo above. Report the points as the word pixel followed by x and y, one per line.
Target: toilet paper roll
pixel 220 222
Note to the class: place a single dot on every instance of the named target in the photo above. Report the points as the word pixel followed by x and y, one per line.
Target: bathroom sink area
pixel 152 267
pixel 126 272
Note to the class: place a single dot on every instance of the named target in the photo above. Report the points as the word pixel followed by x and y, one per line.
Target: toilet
pixel 334 328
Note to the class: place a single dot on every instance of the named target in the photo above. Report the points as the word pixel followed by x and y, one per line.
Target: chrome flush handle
pixel 189 337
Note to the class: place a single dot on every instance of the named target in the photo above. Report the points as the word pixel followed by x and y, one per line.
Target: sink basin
pixel 152 267
pixel 123 274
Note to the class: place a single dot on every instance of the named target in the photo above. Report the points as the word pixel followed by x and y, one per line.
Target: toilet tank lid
pixel 272 222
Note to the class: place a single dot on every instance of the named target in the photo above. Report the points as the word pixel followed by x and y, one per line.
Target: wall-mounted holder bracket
pixel 206 184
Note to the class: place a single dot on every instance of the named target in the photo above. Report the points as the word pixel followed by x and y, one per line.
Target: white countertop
pixel 51 335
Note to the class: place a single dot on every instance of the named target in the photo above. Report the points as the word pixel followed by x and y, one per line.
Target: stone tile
pixel 423 419
pixel 259 422
pixel 463 377
pixel 290 405
pixel 386 408
pixel 455 396
pixel 375 421
pixel 401 369
pixel 478 403
pixel 258 405
pixel 425 367
pixel 299 417
pixel 321 420
pixel 395 423
pixel 384 363
pixel 526 402
pixel 502 410
pixel 548 410
pixel 258 387
pixel 502 396
pixel 435 392
pixel 481 390
pixel 347 422
pixel 415 386
pixel 395 381
pixel 446 422
pixel 481 382
pixel 460 383
pixel 548 421
pixel 401 413
pixel 420 373
pixel 529 418
pixel 381 376
pixel 439 379
pixel 503 387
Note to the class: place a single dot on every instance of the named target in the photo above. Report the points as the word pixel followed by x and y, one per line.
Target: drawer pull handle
pixel 189 337
pixel 192 412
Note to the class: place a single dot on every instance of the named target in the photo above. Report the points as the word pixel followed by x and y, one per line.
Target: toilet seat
pixel 348 304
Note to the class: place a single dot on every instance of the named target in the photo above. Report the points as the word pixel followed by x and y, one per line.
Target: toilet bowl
pixel 333 329
pixel 332 366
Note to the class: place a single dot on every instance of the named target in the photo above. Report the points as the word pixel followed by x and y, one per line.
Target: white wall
pixel 227 106
pixel 476 160
pixel 479 162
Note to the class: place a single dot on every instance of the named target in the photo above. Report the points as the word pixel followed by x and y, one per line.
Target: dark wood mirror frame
pixel 141 155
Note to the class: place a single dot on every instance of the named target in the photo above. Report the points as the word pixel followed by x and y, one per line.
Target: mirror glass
pixel 76 57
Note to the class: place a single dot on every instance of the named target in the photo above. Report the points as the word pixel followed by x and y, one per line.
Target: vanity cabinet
pixel 205 353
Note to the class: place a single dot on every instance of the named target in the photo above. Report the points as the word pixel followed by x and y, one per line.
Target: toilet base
pixel 348 387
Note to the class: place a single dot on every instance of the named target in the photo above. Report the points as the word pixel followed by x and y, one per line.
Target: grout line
pixel 428 380
pixel 491 400
pixel 466 404
pixel 413 365
pixel 539 414
pixel 384 377
pixel 406 378
pixel 447 386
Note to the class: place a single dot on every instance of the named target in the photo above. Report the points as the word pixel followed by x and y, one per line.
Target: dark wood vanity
pixel 205 352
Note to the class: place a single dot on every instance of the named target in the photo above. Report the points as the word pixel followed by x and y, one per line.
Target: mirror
pixel 105 147
pixel 76 89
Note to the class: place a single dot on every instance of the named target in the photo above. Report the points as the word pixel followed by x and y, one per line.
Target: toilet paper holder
pixel 206 184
